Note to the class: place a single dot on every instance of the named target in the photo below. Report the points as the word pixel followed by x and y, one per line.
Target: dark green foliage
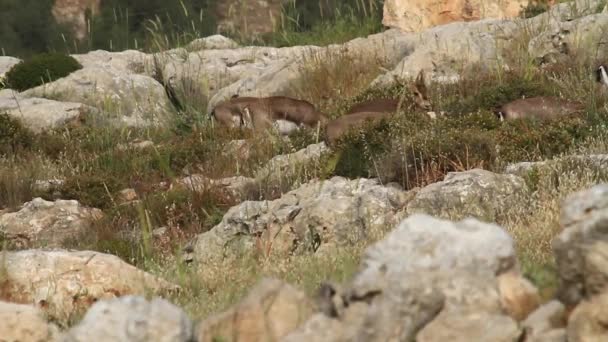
pixel 94 189
pixel 40 69
pixel 13 136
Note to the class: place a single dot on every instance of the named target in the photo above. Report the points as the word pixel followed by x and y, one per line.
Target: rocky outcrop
pixel 418 15
pixel 6 63
pixel 271 310
pixel 580 249
pixel 132 318
pixel 125 98
pixel 39 114
pixel 214 42
pixel 428 280
pixel 547 323
pixel 64 282
pixel 478 193
pixel 43 223
pixel 314 217
pixel 588 321
pixel 25 323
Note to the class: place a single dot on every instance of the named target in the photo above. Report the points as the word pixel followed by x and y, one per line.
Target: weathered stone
pixel 477 193
pixel 63 282
pixel 234 189
pixel 417 15
pixel 545 320
pixel 40 114
pixel 580 249
pixel 24 323
pixel 214 42
pixel 472 326
pixel 589 321
pixel 6 63
pixel 126 99
pixel 44 223
pixel 130 319
pixel 127 195
pixel 128 61
pixel 427 280
pixel 318 215
pixel 288 166
pixel 272 310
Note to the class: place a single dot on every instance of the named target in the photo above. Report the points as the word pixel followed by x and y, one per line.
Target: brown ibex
pixel 540 107
pixel 283 112
pixel 375 111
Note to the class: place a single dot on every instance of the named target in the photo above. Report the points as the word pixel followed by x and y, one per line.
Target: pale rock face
pixel 20 322
pixel 132 318
pixel 39 114
pixel 417 15
pixel 271 310
pixel 6 63
pixel 64 282
pixel 41 223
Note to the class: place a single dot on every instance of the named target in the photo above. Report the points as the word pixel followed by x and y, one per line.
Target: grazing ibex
pixel 375 111
pixel 283 112
pixel 540 107
pixel 418 89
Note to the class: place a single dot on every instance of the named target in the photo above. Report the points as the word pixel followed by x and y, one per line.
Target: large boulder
pixel 130 319
pixel 270 311
pixel 39 114
pixel 547 323
pixel 64 282
pixel 428 280
pixel 43 223
pixel 126 98
pixel 581 248
pixel 417 15
pixel 478 193
pixel 20 322
pixel 289 166
pixel 316 217
pixel 129 61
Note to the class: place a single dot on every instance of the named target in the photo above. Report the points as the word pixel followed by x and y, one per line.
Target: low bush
pixel 13 136
pixel 40 69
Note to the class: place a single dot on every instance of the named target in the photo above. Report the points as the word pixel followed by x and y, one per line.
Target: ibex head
pixel 420 92
pixel 601 75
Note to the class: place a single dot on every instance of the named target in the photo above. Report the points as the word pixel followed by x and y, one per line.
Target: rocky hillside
pixel 127 215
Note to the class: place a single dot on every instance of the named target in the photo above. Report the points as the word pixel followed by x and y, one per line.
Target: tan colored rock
pixel 518 296
pixel 24 323
pixel 41 223
pixel 272 310
pixel 74 14
pixel 64 282
pixel 589 321
pixel 127 195
pixel 417 15
pixel 546 321
pixel 470 326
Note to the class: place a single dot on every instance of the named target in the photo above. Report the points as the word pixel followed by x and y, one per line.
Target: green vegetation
pixel 40 69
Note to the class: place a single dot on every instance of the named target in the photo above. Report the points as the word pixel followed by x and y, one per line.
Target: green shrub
pixel 13 135
pixel 40 69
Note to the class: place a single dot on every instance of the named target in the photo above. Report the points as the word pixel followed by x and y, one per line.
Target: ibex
pixel 540 107
pixel 283 112
pixel 418 89
pixel 375 111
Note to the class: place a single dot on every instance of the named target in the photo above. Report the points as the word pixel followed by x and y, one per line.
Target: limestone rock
pixel 287 166
pixel 417 15
pixel 6 63
pixel 478 193
pixel 128 61
pixel 130 319
pixel 127 99
pixel 40 114
pixel 271 310
pixel 318 215
pixel 20 322
pixel 587 323
pixel 214 42
pixel 545 321
pixel 427 280
pixel 64 282
pixel 235 189
pixel 580 249
pixel 44 223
